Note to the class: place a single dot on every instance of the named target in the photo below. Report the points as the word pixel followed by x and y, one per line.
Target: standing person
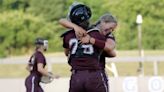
pixel 36 67
pixel 84 57
pixel 107 23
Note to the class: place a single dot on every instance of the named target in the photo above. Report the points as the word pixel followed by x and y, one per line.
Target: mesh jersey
pixel 36 58
pixel 83 56
pixel 104 54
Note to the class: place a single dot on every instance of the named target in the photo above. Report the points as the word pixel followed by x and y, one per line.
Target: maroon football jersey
pixel 83 56
pixel 36 58
pixel 104 54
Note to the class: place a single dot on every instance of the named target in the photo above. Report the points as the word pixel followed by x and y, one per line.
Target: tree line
pixel 21 21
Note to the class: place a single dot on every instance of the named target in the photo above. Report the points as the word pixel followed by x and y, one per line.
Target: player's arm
pixel 79 31
pixel 107 45
pixel 110 54
pixel 42 70
pixel 110 43
pixel 67 24
pixel 40 65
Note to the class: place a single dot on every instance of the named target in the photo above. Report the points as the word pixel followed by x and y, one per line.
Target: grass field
pixel 124 68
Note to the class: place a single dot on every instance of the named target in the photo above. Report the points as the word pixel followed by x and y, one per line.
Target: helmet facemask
pixel 84 24
pixel 41 43
pixel 45 45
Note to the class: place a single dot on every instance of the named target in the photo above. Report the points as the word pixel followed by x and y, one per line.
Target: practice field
pixel 63 69
pixel 124 69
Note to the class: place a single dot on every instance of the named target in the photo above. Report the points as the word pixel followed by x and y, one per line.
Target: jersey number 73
pixel 87 48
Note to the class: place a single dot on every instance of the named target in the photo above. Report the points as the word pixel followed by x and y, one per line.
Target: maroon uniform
pixel 33 80
pixel 102 59
pixel 84 60
pixel 104 54
pixel 82 56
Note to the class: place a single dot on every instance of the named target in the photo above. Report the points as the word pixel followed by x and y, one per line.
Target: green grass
pixel 14 71
pixel 124 69
pixel 62 70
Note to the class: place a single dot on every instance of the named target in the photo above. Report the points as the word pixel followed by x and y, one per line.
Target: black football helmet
pixel 80 14
pixel 41 41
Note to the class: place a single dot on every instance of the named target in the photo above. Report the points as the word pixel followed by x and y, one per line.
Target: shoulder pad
pixel 110 35
pixel 93 29
pixel 65 33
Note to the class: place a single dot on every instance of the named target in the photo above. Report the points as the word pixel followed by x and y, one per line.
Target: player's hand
pixel 80 32
pixel 85 39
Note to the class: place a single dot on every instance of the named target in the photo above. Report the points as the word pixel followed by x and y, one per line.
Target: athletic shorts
pixel 32 84
pixel 87 81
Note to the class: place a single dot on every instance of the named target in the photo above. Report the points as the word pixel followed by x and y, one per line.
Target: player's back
pixel 83 56
pixel 36 58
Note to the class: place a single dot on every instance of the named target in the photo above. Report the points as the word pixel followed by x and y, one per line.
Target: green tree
pixel 152 29
pixel 21 21
pixel 51 10
pixel 19 30
pixel 6 5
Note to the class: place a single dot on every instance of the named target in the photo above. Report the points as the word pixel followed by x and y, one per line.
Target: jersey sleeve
pixel 65 43
pixel 40 58
pixel 65 38
pixel 110 36
pixel 98 36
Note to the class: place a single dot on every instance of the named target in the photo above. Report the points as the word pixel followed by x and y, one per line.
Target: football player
pixel 85 53
pixel 36 67
pixel 107 23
